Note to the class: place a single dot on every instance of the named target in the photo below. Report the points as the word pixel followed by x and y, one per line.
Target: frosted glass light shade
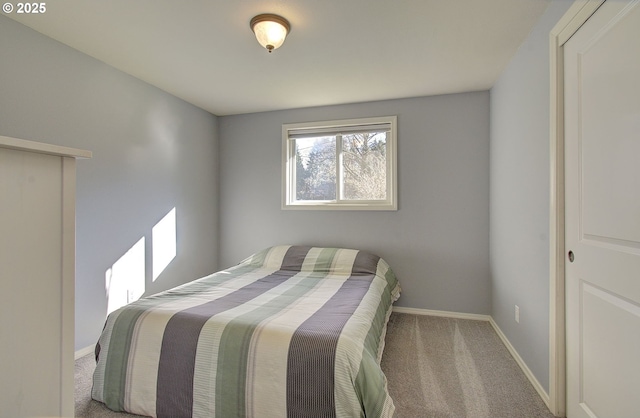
pixel 270 30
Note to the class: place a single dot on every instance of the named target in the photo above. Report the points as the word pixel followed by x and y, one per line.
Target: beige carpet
pixel 436 368
pixel 441 367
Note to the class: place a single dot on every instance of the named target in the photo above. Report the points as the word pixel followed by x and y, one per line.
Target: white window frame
pixel 289 166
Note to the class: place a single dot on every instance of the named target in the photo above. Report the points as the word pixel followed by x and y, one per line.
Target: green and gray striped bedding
pixel 291 331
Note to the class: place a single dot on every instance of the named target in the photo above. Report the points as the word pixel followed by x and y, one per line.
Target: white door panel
pixel 602 213
pixel 609 344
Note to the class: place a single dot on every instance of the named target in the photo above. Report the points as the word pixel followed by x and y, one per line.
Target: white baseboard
pixel 84 351
pixel 476 317
pixel 537 386
pixel 445 314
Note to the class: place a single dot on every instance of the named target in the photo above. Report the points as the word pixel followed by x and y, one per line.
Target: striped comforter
pixel 291 331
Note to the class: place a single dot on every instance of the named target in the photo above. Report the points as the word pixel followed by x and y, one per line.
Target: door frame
pixel 569 24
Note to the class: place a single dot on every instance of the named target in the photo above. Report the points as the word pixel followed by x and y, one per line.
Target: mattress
pixel 292 331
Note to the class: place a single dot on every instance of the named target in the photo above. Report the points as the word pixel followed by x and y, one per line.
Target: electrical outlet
pixel 517 314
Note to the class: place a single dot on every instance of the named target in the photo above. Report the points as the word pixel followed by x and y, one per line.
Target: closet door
pixel 602 218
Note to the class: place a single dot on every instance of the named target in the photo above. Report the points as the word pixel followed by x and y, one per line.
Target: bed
pixel 291 331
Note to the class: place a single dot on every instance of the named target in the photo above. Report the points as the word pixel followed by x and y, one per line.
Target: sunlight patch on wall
pixel 163 240
pixel 125 280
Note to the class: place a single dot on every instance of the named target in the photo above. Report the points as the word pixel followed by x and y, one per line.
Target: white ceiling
pixel 338 51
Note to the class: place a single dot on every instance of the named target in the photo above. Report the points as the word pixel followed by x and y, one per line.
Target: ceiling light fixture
pixel 270 30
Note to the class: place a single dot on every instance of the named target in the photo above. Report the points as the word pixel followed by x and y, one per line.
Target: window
pixel 343 164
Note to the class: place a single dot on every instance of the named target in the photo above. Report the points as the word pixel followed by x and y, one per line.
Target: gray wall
pixel 438 240
pixel 520 169
pixel 151 152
